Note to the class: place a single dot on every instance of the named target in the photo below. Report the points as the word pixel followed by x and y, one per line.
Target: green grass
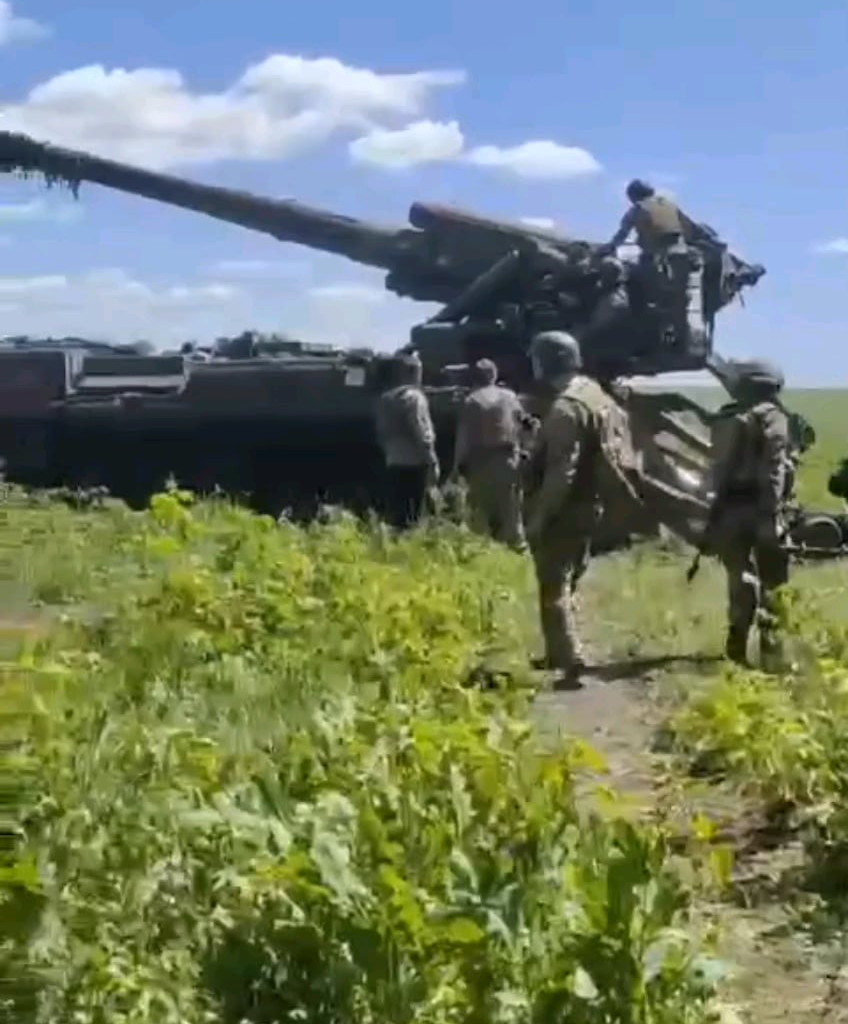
pixel 656 638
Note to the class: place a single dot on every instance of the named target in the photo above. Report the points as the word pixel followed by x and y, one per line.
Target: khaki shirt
pixel 568 428
pixel 404 427
pixel 491 418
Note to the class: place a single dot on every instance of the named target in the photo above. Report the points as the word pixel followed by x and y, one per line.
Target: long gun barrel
pixel 285 220
pixel 443 252
pixel 493 277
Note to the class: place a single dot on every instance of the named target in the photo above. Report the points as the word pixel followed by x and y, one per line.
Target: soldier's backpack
pixel 737 439
pixel 635 491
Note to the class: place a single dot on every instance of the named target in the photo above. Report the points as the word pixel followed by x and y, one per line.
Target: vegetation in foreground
pixel 252 783
pixel 245 779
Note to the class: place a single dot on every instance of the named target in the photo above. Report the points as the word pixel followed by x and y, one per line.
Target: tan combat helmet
pixel 483 373
pixel 554 354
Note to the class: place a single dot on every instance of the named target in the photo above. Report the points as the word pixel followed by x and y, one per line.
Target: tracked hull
pixel 279 433
pixel 293 434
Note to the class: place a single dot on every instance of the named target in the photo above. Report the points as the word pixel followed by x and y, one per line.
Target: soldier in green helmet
pixel 562 495
pixel 751 476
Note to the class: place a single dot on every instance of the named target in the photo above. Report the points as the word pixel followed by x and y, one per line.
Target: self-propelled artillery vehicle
pixel 298 423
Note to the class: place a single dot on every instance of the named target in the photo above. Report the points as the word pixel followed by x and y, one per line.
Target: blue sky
pixel 740 110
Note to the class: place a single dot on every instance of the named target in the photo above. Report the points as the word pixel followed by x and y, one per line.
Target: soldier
pixel 406 435
pixel 563 500
pixel 665 259
pixel 751 462
pixel 657 222
pixel 488 450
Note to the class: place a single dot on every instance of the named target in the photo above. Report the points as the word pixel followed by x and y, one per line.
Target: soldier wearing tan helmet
pixel 751 463
pixel 488 452
pixel 562 495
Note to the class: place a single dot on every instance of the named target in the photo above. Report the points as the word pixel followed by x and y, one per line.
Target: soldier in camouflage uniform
pixel 751 475
pixel 406 435
pixel 655 220
pixel 488 451
pixel 665 259
pixel 562 495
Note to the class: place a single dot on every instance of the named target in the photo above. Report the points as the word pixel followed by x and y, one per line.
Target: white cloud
pixel 836 246
pixel 257 269
pixel 545 223
pixel 18 287
pixel 425 141
pixel 421 142
pixel 349 292
pixel 539 159
pixel 277 108
pixel 113 305
pixel 20 213
pixel 15 29
pixel 107 303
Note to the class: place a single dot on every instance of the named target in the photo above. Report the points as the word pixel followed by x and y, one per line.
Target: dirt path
pixel 611 717
pixel 777 976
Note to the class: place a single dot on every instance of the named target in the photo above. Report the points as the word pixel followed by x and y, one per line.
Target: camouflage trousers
pixel 755 571
pixel 494 497
pixel 558 555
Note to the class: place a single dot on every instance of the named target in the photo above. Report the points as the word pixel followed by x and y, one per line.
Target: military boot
pixel 736 646
pixel 569 680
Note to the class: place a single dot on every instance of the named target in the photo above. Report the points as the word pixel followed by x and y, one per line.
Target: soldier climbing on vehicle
pixel 746 529
pixel 665 259
pixel 406 436
pixel 656 221
pixel 562 498
pixel 488 450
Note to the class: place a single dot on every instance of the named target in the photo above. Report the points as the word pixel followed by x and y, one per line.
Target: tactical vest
pixel 657 218
pixel 737 443
pixel 610 467
pixel 490 418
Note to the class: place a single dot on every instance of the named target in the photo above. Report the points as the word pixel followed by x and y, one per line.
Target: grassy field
pixel 250 763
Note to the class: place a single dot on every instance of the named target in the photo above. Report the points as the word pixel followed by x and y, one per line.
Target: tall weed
pixel 253 785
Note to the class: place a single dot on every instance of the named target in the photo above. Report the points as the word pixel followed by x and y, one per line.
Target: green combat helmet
pixel 756 375
pixel 555 353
